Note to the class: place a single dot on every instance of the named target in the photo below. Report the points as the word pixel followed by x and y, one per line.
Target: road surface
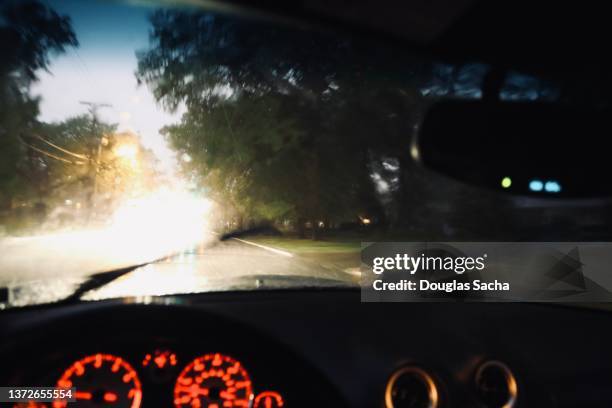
pixel 210 265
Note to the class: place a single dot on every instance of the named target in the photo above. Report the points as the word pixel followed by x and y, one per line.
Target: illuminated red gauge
pixel 213 381
pixel 268 399
pixel 101 380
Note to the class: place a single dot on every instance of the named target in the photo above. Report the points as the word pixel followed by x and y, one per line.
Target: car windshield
pixel 224 147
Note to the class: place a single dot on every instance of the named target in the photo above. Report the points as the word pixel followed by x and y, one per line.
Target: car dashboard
pixel 307 348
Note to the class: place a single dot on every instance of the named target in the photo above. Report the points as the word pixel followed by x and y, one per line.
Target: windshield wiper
pixel 59 292
pixel 98 280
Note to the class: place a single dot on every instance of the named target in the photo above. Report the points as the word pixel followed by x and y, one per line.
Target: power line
pixel 61 149
pixel 53 156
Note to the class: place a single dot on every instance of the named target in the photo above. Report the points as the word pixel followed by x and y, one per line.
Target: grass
pixel 340 253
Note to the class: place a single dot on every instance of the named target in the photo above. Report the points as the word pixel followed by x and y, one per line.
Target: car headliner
pixel 546 37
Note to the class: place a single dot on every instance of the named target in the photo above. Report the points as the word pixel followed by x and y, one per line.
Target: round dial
pixel 101 380
pixel 213 380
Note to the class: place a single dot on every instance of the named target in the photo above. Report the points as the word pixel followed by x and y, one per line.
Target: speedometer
pixel 102 379
pixel 213 380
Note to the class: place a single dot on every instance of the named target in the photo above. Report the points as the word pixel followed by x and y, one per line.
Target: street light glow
pixel 126 151
pixel 172 214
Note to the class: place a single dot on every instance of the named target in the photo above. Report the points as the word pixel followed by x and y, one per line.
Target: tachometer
pixel 102 379
pixel 213 380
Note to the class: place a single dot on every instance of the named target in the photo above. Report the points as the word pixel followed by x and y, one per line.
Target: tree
pixel 234 150
pixel 271 112
pixel 29 34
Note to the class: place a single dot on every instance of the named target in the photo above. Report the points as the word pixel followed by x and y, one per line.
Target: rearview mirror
pixel 524 148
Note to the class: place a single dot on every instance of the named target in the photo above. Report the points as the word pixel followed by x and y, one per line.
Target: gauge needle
pixel 83 395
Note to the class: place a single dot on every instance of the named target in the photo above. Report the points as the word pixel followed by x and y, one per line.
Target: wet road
pixel 210 265
pixel 227 265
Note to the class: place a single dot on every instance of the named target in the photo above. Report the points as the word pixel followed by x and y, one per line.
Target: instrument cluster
pixel 212 380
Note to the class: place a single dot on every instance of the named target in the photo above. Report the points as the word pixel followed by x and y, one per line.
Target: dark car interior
pixel 324 348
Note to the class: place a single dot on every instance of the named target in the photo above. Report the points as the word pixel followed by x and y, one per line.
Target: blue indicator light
pixel 552 187
pixel 536 185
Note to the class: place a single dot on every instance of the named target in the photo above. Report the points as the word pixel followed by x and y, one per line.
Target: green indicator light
pixel 506 182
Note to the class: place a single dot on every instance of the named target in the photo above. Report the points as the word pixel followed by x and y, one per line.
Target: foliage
pixel 29 34
pixel 280 123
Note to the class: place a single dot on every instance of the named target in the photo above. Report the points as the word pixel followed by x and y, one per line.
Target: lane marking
pixel 353 271
pixel 267 248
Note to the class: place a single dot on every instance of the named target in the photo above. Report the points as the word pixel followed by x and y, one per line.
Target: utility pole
pixel 94 162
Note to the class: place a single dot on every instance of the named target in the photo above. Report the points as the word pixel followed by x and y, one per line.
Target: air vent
pixel 412 387
pixel 496 385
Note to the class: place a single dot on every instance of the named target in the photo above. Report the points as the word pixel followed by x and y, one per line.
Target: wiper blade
pixel 97 281
pixel 63 289
pixel 57 290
